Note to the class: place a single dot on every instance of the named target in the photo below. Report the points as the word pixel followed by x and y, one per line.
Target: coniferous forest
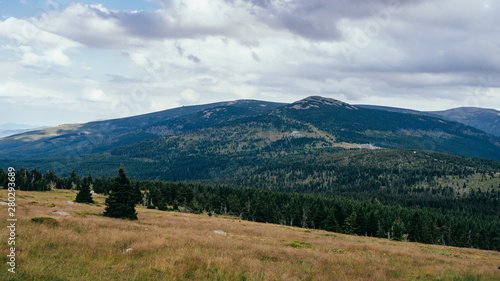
pixel 442 205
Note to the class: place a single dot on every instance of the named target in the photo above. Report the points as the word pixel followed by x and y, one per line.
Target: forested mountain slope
pixel 99 136
pixel 484 119
pixel 392 129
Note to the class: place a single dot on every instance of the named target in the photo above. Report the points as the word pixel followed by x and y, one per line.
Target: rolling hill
pixel 484 119
pixel 100 136
pixel 10 129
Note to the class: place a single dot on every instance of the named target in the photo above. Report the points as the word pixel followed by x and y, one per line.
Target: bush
pixel 50 205
pixel 85 213
pixel 45 220
pixel 300 244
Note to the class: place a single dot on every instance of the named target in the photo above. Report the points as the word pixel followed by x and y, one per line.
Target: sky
pixel 67 61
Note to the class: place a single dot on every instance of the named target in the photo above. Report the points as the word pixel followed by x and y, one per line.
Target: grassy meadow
pixel 177 246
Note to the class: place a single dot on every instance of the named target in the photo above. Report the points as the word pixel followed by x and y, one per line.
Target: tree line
pixel 419 218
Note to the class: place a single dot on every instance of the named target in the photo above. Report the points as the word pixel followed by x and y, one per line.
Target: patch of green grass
pixel 45 220
pixel 50 205
pixel 449 252
pixel 300 245
pixel 85 213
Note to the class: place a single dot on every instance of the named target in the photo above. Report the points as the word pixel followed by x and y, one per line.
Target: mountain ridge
pixel 485 119
pixel 325 122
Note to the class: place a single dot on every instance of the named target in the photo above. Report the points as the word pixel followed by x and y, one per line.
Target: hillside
pixel 100 136
pixel 243 128
pixel 484 119
pixel 176 246
pixel 392 129
pixel 334 123
pixel 10 129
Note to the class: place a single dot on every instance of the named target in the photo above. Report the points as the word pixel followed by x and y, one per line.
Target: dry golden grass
pixel 175 246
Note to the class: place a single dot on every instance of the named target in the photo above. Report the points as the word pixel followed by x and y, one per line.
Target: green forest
pixel 371 202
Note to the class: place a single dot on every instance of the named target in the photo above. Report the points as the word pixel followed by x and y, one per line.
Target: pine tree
pixel 415 229
pixel 361 222
pixel 372 224
pixel 137 194
pixel 84 195
pixel 350 226
pixel 398 229
pixel 74 180
pixel 120 203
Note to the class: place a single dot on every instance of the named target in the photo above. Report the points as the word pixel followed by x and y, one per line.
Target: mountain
pixel 100 136
pixel 484 119
pixel 236 138
pixel 321 122
pixel 9 129
pixel 392 129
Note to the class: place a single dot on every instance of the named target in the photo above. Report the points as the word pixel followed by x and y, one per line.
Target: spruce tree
pixel 74 180
pixel 350 226
pixel 84 195
pixel 415 228
pixel 120 203
pixel 137 194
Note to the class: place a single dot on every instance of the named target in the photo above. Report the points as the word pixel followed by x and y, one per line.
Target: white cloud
pixel 422 53
pixel 95 95
pixel 190 96
pixel 35 46
pixel 15 91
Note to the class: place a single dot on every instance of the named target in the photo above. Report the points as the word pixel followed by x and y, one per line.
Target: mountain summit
pixel 317 102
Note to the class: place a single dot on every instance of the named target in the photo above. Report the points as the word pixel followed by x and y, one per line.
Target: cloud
pixel 193 58
pixel 117 78
pixel 95 95
pixel 35 46
pixel 255 57
pixel 96 26
pixel 188 52
pixel 190 95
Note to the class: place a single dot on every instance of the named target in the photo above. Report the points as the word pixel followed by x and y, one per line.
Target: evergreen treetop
pixel 120 203
pixel 84 196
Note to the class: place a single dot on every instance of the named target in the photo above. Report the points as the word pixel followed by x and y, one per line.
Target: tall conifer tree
pixel 84 195
pixel 120 203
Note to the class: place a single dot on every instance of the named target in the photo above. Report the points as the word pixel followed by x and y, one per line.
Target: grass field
pixel 176 246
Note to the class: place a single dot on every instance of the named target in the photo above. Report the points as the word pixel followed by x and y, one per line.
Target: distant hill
pixel 484 119
pixel 100 136
pixel 392 129
pixel 9 129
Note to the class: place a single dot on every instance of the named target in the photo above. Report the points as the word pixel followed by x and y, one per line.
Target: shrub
pixel 299 244
pixel 45 220
pixel 85 213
